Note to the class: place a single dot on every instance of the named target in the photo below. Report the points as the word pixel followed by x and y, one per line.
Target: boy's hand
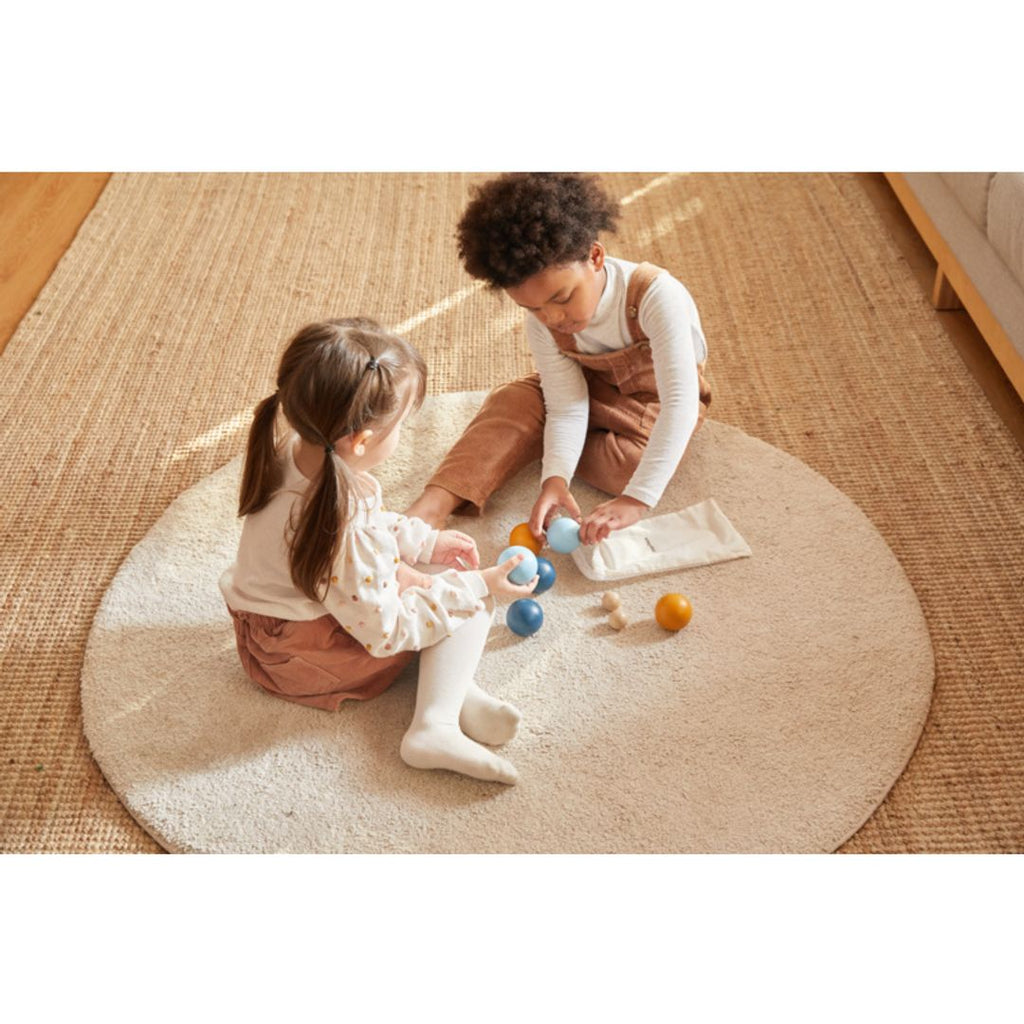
pixel 554 494
pixel 455 549
pixel 611 515
pixel 500 585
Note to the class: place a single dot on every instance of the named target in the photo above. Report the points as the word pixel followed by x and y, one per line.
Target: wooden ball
pixel 610 600
pixel 564 535
pixel 617 619
pixel 522 536
pixel 673 612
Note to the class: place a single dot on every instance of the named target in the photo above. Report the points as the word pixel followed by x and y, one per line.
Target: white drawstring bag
pixel 698 535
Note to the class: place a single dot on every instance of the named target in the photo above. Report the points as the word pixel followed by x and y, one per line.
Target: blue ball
pixel 524 617
pixel 564 535
pixel 526 569
pixel 547 574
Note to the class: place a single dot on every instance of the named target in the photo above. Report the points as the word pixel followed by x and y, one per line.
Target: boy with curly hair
pixel 619 351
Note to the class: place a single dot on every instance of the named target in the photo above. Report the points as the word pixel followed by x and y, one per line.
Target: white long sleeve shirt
pixel 668 317
pixel 363 594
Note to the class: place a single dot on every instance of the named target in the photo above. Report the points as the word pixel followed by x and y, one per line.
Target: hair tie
pixel 371 365
pixel 329 449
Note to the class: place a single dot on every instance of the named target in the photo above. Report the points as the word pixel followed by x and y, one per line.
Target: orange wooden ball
pixel 673 612
pixel 523 536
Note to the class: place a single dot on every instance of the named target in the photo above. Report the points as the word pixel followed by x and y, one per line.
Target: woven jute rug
pixel 133 375
pixel 776 722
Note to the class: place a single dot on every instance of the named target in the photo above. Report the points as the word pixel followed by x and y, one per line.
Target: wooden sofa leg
pixel 943 295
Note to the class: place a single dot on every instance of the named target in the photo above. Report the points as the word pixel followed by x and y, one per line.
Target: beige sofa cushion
pixel 1006 221
pixel 997 285
pixel 971 189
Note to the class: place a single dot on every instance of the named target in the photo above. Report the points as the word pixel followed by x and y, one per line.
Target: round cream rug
pixel 776 721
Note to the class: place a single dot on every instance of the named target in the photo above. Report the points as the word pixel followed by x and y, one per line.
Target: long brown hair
pixel 336 378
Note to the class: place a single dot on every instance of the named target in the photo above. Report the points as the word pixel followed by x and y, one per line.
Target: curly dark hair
pixel 521 223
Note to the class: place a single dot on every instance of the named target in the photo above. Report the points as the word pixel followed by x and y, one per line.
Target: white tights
pixel 453 713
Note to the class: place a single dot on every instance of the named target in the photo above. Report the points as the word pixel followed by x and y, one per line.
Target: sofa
pixel 973 223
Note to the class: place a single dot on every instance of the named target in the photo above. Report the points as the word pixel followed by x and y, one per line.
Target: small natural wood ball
pixel 610 600
pixel 617 619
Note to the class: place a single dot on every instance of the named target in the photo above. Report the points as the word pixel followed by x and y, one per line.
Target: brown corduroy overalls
pixel 508 431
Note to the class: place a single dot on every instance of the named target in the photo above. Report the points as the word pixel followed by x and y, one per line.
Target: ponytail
pixel 317 534
pixel 262 474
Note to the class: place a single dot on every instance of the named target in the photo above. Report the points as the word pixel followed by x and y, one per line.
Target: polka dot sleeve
pixel 364 595
pixel 414 537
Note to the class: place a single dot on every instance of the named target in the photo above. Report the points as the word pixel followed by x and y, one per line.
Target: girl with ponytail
pixel 326 602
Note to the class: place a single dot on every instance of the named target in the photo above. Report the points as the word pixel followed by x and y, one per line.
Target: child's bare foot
pixel 434 506
pixel 486 719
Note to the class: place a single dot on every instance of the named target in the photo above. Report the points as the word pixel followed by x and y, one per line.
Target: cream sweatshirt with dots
pixel 363 594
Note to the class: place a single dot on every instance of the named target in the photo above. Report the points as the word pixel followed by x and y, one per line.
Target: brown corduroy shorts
pixel 312 662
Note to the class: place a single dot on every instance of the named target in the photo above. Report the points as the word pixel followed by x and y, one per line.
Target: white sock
pixel 435 745
pixel 487 719
pixel 434 738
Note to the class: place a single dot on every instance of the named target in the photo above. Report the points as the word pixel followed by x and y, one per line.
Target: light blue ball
pixel 526 569
pixel 564 535
pixel 524 617
pixel 547 574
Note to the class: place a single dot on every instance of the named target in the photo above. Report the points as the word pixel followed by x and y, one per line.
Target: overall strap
pixel 566 342
pixel 636 288
pixel 639 281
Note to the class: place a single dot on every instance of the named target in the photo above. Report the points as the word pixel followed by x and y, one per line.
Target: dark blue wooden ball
pixel 524 617
pixel 547 574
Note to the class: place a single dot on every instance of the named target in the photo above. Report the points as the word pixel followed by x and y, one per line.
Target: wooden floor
pixel 41 213
pixel 39 217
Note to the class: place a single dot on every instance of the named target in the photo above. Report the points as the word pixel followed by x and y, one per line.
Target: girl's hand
pixel 451 546
pixel 554 494
pixel 611 515
pixel 500 585
pixel 408 577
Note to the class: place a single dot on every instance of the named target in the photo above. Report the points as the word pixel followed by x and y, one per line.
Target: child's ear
pixel 597 255
pixel 357 442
